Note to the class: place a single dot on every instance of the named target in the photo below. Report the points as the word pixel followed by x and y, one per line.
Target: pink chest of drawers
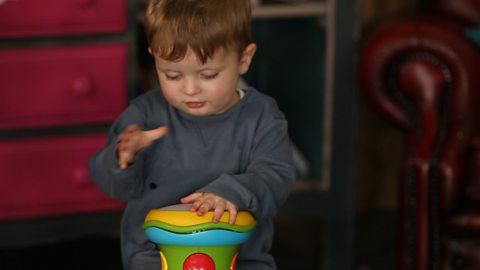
pixel 20 18
pixel 63 80
pixel 62 86
pixel 49 176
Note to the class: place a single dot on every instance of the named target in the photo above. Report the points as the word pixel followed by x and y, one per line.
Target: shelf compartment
pixel 306 9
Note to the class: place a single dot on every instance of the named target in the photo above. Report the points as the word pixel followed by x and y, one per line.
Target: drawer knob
pixel 80 176
pixel 2 2
pixel 84 3
pixel 82 86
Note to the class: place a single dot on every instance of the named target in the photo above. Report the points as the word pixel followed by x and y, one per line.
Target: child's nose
pixel 191 88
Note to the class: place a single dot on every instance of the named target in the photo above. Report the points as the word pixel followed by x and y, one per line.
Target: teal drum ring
pixel 204 238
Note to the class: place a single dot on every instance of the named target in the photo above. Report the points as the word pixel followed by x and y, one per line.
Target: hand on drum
pixel 202 202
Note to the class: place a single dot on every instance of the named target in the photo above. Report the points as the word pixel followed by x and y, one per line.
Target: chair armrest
pixel 422 75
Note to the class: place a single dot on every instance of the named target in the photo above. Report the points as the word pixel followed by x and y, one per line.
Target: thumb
pixel 155 134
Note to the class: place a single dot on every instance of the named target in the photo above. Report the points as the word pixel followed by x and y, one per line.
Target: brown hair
pixel 173 26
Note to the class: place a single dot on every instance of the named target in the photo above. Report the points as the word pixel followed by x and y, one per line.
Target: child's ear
pixel 247 57
pixel 150 51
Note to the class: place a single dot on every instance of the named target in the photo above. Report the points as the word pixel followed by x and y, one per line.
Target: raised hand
pixel 133 140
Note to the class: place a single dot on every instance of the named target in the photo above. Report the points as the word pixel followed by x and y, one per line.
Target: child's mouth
pixel 195 104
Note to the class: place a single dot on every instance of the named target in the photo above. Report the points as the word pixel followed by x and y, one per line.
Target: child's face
pixel 203 89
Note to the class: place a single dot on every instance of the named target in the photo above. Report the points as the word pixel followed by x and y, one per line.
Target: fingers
pixel 155 134
pixel 146 138
pixel 125 158
pixel 191 198
pixel 126 153
pixel 218 212
pixel 233 213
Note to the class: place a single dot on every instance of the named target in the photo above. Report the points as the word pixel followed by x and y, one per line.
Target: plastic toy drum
pixel 191 242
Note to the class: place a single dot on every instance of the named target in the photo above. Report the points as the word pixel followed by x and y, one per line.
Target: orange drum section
pixel 234 262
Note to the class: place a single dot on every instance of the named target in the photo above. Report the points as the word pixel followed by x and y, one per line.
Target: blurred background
pixel 68 68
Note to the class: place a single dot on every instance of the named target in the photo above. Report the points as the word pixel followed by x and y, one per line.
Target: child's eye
pixel 172 77
pixel 210 76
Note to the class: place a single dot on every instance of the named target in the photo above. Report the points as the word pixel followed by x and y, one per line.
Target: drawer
pixel 21 18
pixel 59 86
pixel 49 176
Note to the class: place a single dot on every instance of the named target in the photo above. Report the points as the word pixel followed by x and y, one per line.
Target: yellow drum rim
pixel 188 218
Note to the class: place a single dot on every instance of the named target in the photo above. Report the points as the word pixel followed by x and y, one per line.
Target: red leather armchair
pixel 423 74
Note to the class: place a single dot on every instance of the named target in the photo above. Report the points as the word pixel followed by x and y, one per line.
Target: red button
pixel 199 261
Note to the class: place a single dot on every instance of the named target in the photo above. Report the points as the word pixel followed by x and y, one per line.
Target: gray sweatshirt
pixel 243 155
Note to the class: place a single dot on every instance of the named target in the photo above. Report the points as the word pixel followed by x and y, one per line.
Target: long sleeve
pixel 121 184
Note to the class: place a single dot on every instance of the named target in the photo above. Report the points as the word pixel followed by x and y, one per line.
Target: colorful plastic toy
pixel 191 242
